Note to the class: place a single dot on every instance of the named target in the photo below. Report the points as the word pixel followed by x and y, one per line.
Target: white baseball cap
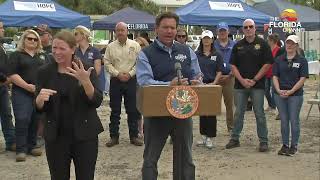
pixel 207 33
pixel 293 38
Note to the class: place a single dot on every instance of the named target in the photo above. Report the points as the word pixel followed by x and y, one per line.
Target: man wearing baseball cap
pixel 225 45
pixel 45 35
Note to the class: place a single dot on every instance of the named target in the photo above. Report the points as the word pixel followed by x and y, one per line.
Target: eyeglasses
pixel 181 36
pixel 248 27
pixel 32 39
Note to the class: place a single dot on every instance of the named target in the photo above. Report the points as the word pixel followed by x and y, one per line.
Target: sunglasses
pixel 248 27
pixel 181 36
pixel 32 39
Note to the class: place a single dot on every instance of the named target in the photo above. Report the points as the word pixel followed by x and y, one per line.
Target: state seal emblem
pixel 182 102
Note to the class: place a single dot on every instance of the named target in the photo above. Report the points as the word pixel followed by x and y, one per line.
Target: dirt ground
pixel 124 161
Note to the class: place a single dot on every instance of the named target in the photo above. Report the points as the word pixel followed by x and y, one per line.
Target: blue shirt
pixel 290 73
pixel 144 71
pixel 226 54
pixel 89 56
pixel 210 65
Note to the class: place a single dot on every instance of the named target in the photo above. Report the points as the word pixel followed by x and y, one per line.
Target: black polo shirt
pixel 290 73
pixel 26 66
pixel 249 59
pixel 210 65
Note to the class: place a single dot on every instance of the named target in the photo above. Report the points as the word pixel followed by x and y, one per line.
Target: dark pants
pixel 26 123
pixel 127 90
pixel 6 117
pixel 208 126
pixel 64 149
pixel 156 131
pixel 269 93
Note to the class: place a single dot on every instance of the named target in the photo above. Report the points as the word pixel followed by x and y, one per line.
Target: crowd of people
pixel 58 82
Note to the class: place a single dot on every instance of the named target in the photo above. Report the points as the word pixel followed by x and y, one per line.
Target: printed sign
pixel 288 22
pixel 226 6
pixel 33 6
pixel 138 26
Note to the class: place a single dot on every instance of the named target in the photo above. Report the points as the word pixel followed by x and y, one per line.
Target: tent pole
pixel 92 38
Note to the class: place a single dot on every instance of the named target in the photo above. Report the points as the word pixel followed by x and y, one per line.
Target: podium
pixel 151 100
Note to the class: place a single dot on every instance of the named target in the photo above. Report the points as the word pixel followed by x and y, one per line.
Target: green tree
pixel 311 3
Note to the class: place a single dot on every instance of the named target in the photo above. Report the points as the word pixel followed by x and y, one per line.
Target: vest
pixel 162 64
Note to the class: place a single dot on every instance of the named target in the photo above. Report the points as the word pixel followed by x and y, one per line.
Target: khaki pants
pixel 227 92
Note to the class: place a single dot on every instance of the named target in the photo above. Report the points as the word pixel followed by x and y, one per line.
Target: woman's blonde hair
pixel 142 40
pixel 84 31
pixel 21 44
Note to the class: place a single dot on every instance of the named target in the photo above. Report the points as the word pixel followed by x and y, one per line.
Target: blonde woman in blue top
pixel 290 71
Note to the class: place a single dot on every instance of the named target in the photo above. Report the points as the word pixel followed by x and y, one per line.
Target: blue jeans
pixel 241 99
pixel 268 88
pixel 25 116
pixel 289 110
pixel 6 117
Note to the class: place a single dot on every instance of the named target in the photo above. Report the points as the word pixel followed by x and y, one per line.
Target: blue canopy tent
pixel 309 18
pixel 211 12
pixel 25 13
pixel 136 20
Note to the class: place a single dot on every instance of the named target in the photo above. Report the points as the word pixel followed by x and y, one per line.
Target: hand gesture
pixel 246 83
pixel 79 72
pixel 283 93
pixel 124 77
pixel 252 82
pixel 44 96
pixel 174 82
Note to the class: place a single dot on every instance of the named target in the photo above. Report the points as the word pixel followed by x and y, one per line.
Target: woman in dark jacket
pixel 211 63
pixel 67 92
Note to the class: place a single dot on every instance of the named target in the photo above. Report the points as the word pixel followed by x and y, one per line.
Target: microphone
pixel 177 68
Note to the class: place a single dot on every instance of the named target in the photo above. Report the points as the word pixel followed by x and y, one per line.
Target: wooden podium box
pixel 151 100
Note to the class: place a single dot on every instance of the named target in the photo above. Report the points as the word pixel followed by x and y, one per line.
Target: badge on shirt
pixel 42 58
pixel 296 65
pixel 257 46
pixel 213 58
pixel 131 50
pixel 180 57
pixel 90 55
